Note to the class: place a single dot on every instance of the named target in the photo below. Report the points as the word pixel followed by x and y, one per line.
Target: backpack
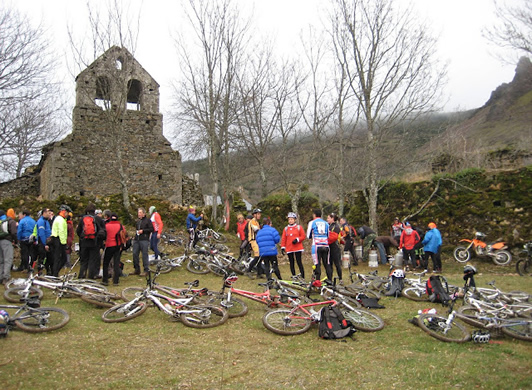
pixel 436 291
pixel 90 228
pixel 4 229
pixel 333 325
pixel 396 287
pixel 352 232
pixel 121 236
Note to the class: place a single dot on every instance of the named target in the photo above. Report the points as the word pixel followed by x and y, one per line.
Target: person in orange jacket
pixel 292 244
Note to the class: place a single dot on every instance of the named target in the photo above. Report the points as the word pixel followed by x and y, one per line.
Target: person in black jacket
pixel 141 242
pixel 89 246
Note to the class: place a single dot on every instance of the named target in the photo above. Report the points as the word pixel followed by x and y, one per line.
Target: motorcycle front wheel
pixel 502 257
pixel 461 254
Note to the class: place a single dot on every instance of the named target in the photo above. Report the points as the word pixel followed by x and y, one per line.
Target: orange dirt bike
pixel 497 250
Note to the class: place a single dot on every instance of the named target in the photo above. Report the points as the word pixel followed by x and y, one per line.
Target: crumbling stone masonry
pixel 117 137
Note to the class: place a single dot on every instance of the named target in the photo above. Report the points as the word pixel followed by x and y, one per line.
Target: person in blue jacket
pixel 432 246
pixel 25 238
pixel 192 224
pixel 267 240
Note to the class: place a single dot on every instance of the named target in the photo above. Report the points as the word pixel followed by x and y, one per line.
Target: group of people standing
pixel 326 236
pixel 49 240
pixel 261 239
pixel 418 246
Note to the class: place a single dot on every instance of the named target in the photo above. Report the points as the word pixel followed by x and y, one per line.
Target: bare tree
pixel 392 71
pixel 30 126
pixel 29 94
pixel 317 106
pixel 287 153
pixel 112 26
pixel 513 29
pixel 257 118
pixel 206 91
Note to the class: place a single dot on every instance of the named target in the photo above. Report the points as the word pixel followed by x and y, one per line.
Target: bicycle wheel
pixel 203 316
pixel 235 307
pixel 42 319
pixel 524 267
pixel 17 295
pixel 363 319
pixel 470 315
pixel 217 269
pixel 237 267
pixel 197 265
pixel 502 257
pixel 130 293
pixel 519 329
pixel 415 294
pixel 222 248
pixel 124 312
pixel 461 254
pixel 352 301
pixel 219 237
pixel 101 300
pixel 286 322
pixel 436 326
pixel 159 265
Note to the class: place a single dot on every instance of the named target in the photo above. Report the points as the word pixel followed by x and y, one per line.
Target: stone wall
pixel 27 185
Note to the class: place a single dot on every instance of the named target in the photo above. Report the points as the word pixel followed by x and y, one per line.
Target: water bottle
pixel 373 259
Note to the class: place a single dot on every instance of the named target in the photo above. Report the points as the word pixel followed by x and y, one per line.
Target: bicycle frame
pixel 264 298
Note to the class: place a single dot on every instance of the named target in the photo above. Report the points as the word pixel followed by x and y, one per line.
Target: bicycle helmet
pixel 479 336
pixel 231 279
pixel 65 207
pixel 291 215
pixel 255 211
pixel 398 273
pixel 4 316
pixel 469 269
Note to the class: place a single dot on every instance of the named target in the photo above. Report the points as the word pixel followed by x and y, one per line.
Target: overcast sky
pixel 473 72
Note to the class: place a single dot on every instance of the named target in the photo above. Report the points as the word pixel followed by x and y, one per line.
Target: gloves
pixel 295 241
pixel 283 251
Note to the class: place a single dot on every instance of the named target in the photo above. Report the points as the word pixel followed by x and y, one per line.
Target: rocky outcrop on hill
pixel 505 95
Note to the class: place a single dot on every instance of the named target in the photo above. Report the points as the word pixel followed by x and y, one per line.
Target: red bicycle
pixel 299 318
pixel 237 308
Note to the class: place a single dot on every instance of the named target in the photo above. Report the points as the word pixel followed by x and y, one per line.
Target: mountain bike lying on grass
pixel 237 308
pixel 184 309
pixel 299 318
pixel 492 316
pixel 32 318
pixel 62 287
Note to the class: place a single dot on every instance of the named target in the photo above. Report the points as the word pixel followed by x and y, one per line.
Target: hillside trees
pixel 393 74
pixel 30 104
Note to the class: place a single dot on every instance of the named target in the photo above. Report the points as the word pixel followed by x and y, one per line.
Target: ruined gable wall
pixel 86 161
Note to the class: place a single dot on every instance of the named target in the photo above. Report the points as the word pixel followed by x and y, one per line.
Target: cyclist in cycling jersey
pixel 318 232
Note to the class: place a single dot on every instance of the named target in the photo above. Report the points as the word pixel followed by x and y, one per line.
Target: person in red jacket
pixel 409 239
pixel 158 225
pixel 112 250
pixel 292 244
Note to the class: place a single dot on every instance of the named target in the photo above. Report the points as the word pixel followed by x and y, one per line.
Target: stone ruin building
pixel 117 138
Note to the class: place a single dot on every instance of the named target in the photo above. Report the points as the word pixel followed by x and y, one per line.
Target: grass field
pixel 151 352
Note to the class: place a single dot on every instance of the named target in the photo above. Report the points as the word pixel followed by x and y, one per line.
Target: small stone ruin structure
pixel 116 140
